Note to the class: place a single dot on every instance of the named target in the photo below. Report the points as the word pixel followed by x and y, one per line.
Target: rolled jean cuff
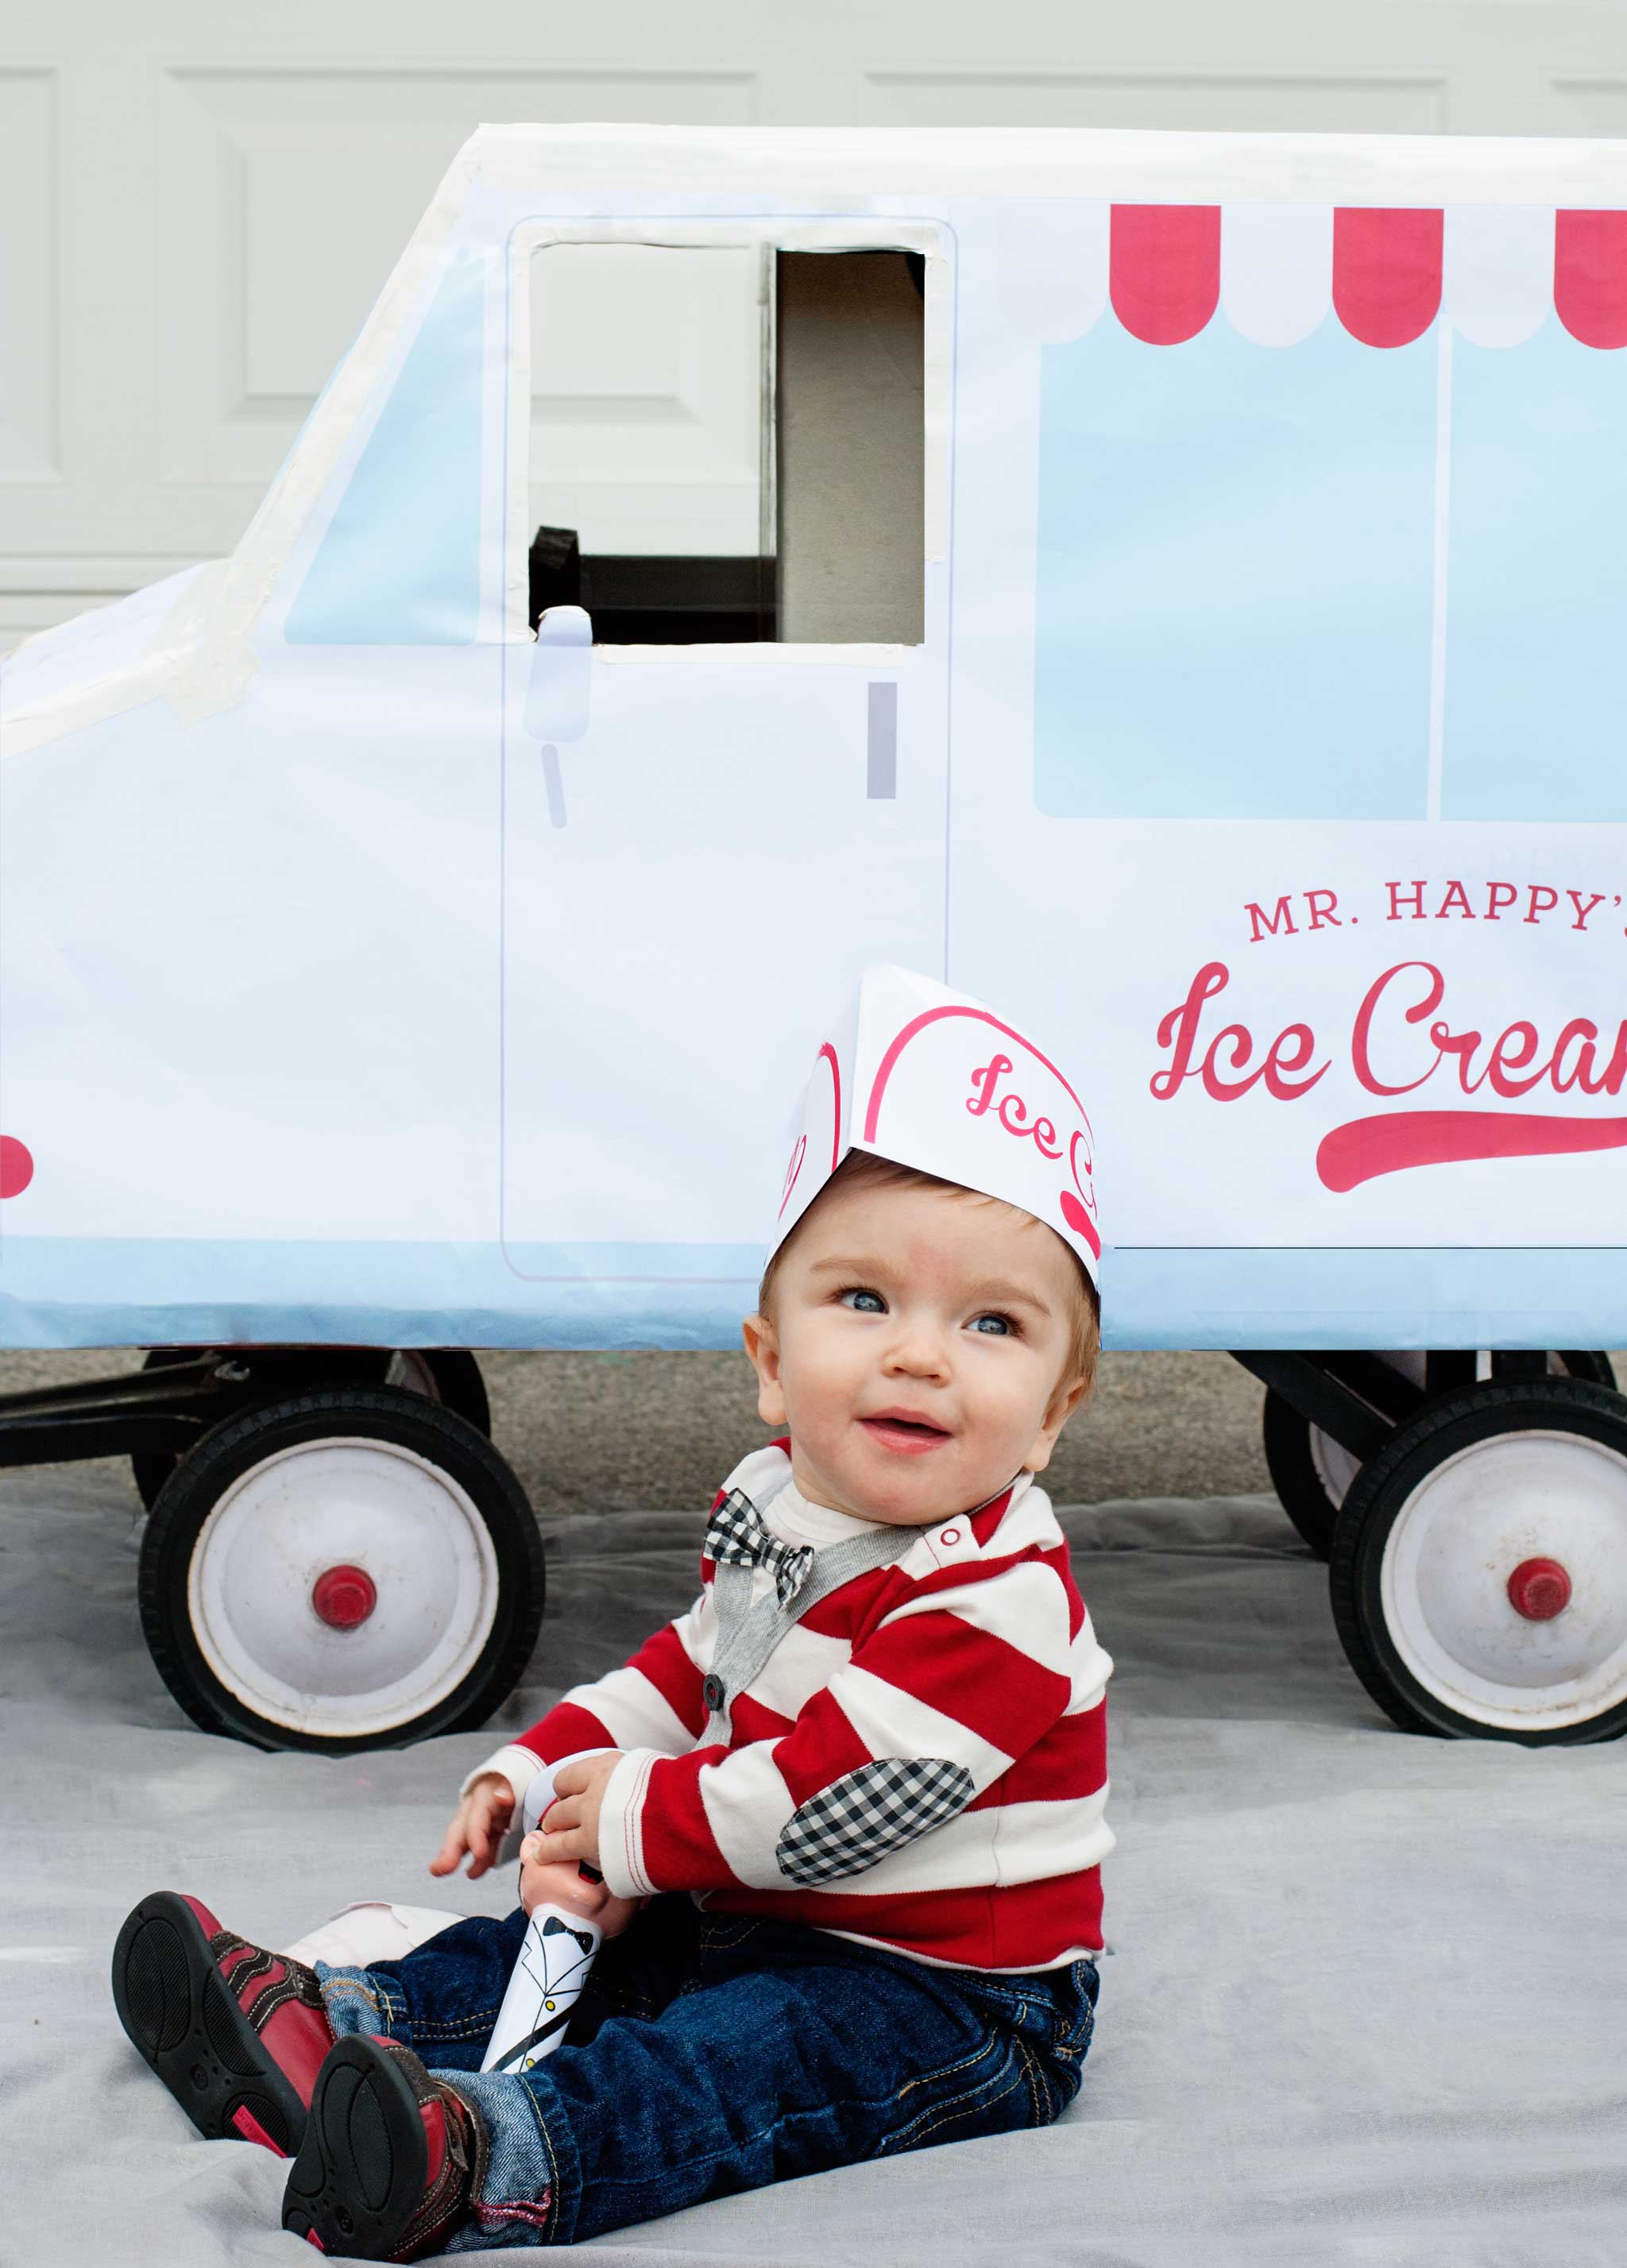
pixel 533 2190
pixel 363 2000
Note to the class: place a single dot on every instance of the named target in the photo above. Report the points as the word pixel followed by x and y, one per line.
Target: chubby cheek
pixel 1001 1417
pixel 823 1379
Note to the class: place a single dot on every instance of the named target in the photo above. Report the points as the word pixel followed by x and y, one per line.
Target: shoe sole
pixel 182 2016
pixel 360 2170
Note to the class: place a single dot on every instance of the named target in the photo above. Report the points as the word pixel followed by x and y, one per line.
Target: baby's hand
pixel 568 1828
pixel 478 1826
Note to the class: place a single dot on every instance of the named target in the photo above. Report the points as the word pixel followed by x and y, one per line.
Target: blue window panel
pixel 399 563
pixel 1235 577
pixel 1536 583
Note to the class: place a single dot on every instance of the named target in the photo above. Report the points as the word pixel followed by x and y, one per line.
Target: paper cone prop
pixel 931 1079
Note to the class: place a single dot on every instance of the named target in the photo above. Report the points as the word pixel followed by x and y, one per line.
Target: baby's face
pixel 916 1350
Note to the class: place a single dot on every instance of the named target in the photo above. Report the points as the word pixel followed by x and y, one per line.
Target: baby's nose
pixel 921 1352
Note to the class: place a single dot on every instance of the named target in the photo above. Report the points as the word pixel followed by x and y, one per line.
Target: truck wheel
pixel 1311 1472
pixel 1479 1569
pixel 446 1374
pixel 350 1568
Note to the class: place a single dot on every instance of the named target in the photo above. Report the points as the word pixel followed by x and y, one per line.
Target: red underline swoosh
pixel 1366 1147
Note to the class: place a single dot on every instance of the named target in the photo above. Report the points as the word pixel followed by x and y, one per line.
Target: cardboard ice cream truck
pixel 1172 589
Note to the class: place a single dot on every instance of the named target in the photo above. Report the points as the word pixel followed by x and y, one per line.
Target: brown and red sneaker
pixel 236 2034
pixel 392 2158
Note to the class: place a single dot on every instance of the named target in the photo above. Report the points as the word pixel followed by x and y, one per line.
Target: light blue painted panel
pixel 1347 1296
pixel 399 563
pixel 136 1291
pixel 1537 615
pixel 159 1291
pixel 1235 577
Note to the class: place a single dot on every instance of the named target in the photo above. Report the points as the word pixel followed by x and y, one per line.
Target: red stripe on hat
pixel 1590 276
pixel 1386 271
pixel 1164 271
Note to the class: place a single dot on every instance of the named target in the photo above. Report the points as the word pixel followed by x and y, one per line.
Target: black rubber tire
pixel 377 1413
pixel 152 1467
pixel 456 1375
pixel 1286 1438
pixel 1374 1502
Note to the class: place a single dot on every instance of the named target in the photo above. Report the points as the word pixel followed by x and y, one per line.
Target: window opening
pixel 728 443
pixel 849 421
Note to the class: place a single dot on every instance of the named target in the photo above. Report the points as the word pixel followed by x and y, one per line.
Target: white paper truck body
pixel 370 972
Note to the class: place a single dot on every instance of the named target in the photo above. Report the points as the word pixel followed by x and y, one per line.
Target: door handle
pixel 562 667
pixel 881 742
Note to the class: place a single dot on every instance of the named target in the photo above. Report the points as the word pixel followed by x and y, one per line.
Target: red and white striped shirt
pixel 969 1664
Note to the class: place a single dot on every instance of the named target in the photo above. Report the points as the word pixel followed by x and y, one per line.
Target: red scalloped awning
pixel 1388 278
pixel 1164 271
pixel 1387 272
pixel 1590 276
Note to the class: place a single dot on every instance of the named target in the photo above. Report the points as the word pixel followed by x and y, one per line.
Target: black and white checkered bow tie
pixel 738 1531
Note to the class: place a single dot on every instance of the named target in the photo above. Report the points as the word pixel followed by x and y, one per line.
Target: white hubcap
pixel 347 1503
pixel 1464 1531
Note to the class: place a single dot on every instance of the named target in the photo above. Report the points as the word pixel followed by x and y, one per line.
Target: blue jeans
pixel 712 2053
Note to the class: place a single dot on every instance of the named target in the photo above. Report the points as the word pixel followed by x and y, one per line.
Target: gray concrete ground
pixel 605 1432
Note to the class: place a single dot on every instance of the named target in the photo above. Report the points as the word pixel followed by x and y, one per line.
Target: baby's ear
pixel 763 1346
pixel 1064 1402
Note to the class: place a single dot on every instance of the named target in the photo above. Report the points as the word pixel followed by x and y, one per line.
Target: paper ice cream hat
pixel 931 1079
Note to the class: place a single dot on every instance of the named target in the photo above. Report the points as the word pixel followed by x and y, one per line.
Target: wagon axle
pixel 1539 1589
pixel 162 1409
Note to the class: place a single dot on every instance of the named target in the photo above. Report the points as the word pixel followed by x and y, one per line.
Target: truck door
pixel 724 757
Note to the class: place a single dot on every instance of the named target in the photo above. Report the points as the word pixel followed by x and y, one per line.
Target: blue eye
pixel 1002 1324
pixel 856 1293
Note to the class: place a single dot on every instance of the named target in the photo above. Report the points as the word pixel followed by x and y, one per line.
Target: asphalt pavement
pixel 604 1432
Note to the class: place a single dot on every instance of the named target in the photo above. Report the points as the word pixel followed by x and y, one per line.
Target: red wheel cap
pixel 344 1597
pixel 1539 1589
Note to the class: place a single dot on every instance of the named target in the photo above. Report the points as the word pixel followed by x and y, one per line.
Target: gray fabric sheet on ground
pixel 1365 2001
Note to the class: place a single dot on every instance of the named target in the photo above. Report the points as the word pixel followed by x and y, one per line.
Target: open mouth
pixel 898 1432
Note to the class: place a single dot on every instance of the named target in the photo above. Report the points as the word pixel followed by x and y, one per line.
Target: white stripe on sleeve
pixel 800 1666
pixel 634 1713
pixel 746 1805
pixel 892 1722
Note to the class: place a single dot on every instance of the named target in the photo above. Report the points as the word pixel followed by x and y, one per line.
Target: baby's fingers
pixel 445 1860
pixel 571 1845
pixel 488 1825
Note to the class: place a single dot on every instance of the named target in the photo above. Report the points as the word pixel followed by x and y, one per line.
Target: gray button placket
pixel 748 1634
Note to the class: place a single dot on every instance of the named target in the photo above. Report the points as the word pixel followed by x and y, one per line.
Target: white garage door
pixel 198 204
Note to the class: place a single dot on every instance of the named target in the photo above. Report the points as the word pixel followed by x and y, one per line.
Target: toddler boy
pixel 859 1782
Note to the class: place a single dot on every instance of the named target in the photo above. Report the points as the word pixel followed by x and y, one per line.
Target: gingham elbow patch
pixel 860 1817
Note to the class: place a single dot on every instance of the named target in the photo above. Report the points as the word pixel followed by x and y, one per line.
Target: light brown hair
pixel 862 1170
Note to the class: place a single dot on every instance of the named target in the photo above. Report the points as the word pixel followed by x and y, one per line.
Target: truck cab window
pixel 727 443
